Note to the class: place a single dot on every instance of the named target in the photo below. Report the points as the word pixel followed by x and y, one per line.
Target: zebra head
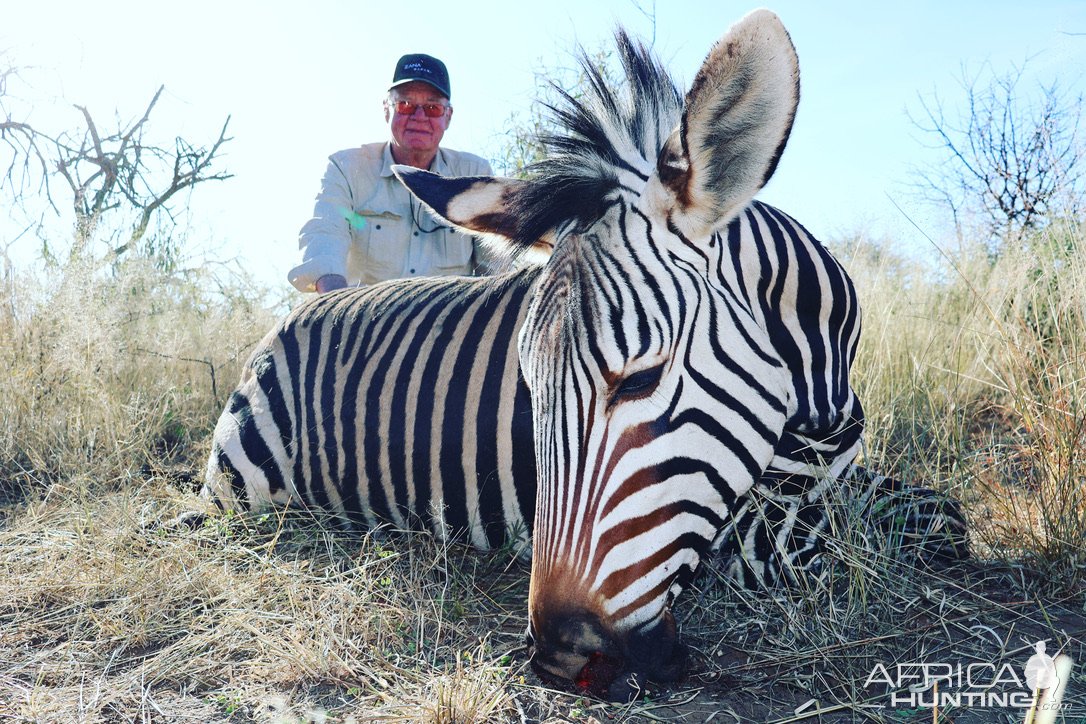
pixel 657 396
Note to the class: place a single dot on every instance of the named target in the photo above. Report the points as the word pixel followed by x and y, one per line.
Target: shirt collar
pixel 438 166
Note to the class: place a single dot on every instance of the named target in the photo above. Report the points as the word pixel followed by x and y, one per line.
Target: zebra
pixel 664 374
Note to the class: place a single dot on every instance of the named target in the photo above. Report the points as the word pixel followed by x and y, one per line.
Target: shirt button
pixel 416 233
pixel 378 226
pixel 412 271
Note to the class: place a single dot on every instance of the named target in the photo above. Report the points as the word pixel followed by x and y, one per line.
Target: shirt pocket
pixel 382 241
pixel 455 257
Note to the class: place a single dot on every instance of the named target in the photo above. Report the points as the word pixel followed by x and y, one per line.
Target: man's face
pixel 417 133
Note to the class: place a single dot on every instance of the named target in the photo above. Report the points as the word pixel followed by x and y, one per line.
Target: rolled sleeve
pixel 326 238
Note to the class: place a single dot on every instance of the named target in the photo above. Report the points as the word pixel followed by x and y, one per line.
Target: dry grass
pixel 978 383
pixel 111 613
pixel 973 383
pixel 109 370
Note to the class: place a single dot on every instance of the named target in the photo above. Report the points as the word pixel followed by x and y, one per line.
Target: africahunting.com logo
pixel 1040 684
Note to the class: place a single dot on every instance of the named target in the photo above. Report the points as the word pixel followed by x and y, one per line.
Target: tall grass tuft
pixel 973 374
pixel 1043 374
pixel 109 370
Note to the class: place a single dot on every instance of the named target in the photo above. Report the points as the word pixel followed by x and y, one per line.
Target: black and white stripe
pixel 400 404
pixel 360 400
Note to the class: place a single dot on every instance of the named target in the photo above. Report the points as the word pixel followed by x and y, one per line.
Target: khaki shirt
pixel 367 227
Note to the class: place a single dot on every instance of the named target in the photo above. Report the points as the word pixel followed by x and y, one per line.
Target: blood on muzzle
pixel 578 652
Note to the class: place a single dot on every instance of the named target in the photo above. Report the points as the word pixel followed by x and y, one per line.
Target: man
pixel 366 227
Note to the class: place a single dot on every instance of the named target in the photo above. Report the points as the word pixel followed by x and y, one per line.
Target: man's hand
pixel 330 282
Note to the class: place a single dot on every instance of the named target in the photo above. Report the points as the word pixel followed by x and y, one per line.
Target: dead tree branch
pixel 1012 160
pixel 107 170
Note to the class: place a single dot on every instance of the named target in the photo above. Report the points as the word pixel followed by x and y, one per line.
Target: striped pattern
pixel 290 431
pixel 809 307
pixel 777 535
pixel 677 366
pixel 399 404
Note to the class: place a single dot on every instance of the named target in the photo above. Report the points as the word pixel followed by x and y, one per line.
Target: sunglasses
pixel 431 110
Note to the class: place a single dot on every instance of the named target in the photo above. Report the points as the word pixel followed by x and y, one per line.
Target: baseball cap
pixel 419 66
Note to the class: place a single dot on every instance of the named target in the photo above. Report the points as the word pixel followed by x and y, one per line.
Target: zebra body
pixel 360 401
pixel 399 403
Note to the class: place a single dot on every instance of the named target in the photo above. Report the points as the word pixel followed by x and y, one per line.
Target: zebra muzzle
pixel 575 653
pixel 598 674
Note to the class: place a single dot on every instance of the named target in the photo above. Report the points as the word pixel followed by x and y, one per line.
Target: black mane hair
pixel 609 134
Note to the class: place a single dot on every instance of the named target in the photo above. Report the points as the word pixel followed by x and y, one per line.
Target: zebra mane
pixel 608 140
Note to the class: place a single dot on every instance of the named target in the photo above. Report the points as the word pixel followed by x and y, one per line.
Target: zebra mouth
pixel 609 674
pixel 598 673
pixel 606 677
pixel 602 676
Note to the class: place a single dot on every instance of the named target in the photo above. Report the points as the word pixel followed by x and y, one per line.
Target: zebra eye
pixel 638 385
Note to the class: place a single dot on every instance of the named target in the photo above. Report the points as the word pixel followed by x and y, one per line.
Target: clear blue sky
pixel 302 80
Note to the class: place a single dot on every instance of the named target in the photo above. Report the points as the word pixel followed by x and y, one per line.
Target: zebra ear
pixel 479 205
pixel 736 120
